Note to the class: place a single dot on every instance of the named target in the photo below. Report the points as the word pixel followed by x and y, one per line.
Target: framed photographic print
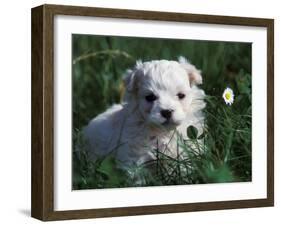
pixel 141 112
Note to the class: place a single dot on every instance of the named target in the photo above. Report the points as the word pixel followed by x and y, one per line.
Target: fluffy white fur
pixel 131 130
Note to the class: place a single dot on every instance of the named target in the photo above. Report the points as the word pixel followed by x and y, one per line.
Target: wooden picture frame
pixel 42 203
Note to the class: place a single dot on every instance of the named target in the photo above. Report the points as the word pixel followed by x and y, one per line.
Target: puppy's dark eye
pixel 181 95
pixel 150 98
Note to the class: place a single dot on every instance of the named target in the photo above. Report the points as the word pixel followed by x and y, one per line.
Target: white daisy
pixel 228 96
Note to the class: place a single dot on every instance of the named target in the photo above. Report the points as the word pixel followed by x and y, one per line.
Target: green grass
pixel 98 66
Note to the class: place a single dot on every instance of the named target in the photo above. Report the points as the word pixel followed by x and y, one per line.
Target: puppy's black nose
pixel 166 113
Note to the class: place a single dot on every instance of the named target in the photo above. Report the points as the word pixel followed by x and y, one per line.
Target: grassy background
pixel 99 63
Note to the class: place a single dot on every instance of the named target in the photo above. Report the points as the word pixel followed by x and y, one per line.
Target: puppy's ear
pixel 131 77
pixel 195 77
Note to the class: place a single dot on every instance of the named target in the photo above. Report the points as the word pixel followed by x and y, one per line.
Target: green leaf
pixel 114 177
pixel 192 132
pixel 107 165
pixel 220 175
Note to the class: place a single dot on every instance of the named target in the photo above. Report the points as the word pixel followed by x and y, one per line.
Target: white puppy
pixel 161 97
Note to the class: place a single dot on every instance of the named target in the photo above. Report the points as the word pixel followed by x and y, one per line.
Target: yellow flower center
pixel 228 96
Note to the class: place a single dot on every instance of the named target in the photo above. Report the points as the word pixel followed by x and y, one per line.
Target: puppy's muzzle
pixel 167 114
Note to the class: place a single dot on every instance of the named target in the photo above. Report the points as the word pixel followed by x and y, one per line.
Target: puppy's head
pixel 162 90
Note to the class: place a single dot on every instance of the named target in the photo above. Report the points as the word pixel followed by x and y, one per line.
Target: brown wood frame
pixel 42 203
